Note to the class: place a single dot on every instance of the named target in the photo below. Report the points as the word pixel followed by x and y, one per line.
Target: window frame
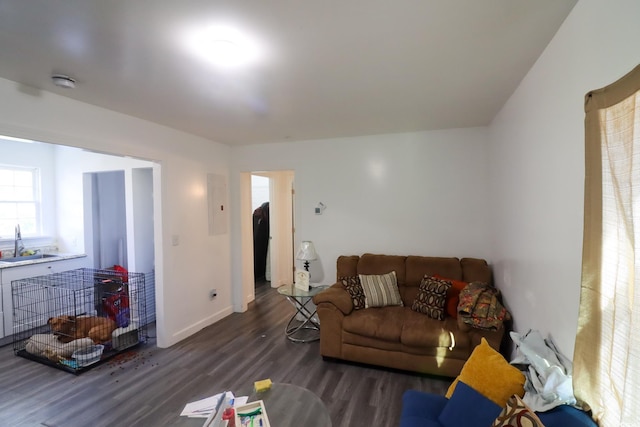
pixel 36 200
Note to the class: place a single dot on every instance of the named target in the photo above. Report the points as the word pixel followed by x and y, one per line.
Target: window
pixel 19 201
pixel 607 352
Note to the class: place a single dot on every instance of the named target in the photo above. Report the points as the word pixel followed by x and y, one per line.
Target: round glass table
pixel 292 405
pixel 286 405
pixel 303 325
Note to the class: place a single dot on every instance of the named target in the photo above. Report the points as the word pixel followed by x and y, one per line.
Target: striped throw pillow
pixel 380 290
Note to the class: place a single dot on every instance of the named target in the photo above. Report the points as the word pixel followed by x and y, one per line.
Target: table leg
pixel 308 323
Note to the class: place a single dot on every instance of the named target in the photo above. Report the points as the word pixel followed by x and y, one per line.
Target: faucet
pixel 18 247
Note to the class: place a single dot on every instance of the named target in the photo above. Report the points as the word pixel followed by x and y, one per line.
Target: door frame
pixel 281 229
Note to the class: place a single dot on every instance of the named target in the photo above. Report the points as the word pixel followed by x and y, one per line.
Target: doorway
pixel 119 224
pixel 260 200
pixel 106 220
pixel 279 263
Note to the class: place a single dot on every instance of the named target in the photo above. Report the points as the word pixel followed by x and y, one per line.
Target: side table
pixel 300 299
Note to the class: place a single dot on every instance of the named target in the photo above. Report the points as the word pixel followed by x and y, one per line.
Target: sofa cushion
pixel 490 374
pixel 517 414
pixel 431 298
pixel 474 270
pixel 383 264
pixel 384 323
pixel 380 290
pixel 347 266
pixel 354 287
pixel 421 331
pixel 419 266
pixel 467 407
pixel 395 325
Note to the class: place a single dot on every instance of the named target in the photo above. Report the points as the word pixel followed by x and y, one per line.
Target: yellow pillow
pixel 487 372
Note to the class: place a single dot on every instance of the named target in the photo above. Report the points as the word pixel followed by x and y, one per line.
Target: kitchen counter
pixel 57 257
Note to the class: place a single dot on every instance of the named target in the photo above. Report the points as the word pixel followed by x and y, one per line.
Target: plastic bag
pixel 549 375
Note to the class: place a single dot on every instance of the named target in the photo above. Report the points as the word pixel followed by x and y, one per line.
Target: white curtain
pixel 607 353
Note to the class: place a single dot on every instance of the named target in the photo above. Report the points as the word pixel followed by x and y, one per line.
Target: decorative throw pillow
pixel 353 286
pixel 517 414
pixel 490 374
pixel 468 408
pixel 431 297
pixel 380 290
pixel 453 295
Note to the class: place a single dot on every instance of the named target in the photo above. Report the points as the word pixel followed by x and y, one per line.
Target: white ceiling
pixel 330 68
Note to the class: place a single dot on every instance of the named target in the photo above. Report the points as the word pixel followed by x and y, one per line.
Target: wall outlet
pixel 213 293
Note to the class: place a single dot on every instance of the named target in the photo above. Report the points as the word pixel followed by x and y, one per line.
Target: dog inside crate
pixel 74 341
pixel 70 328
pixel 87 317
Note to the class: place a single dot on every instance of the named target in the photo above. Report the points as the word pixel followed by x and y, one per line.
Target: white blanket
pixel 47 345
pixel 549 377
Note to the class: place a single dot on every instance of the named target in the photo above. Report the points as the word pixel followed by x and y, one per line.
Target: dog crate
pixel 76 319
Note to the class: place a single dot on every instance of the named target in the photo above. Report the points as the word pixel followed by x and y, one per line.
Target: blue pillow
pixel 466 407
pixel 565 415
pixel 421 409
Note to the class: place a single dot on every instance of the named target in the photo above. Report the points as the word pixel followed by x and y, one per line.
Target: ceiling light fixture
pixel 224 52
pixel 62 80
pixel 224 46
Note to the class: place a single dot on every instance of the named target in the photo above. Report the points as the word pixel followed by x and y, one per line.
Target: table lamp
pixel 306 253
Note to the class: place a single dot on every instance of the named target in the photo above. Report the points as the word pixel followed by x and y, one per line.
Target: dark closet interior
pixel 260 241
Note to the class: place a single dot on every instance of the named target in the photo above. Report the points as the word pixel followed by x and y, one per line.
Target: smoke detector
pixel 64 81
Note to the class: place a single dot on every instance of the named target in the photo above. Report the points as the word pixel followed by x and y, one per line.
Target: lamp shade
pixel 306 251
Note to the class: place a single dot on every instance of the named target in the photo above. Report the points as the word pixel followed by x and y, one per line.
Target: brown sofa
pixel 396 336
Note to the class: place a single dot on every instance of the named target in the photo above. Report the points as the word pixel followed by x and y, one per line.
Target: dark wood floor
pixel 149 386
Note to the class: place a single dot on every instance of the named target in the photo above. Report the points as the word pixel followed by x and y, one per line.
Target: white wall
pixel 71 164
pixel 184 273
pixel 407 194
pixel 537 164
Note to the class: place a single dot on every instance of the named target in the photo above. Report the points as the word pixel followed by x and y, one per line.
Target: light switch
pixel 175 240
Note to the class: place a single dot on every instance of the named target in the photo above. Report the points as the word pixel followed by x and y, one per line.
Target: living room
pixel 510 192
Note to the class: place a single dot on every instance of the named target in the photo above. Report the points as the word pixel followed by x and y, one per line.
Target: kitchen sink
pixel 28 257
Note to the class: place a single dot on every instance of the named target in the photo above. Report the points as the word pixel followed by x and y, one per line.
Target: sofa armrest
pixel 337 295
pixel 494 338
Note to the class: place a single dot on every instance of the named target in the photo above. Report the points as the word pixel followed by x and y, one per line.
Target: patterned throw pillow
pixel 431 298
pixel 380 290
pixel 517 414
pixel 353 286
